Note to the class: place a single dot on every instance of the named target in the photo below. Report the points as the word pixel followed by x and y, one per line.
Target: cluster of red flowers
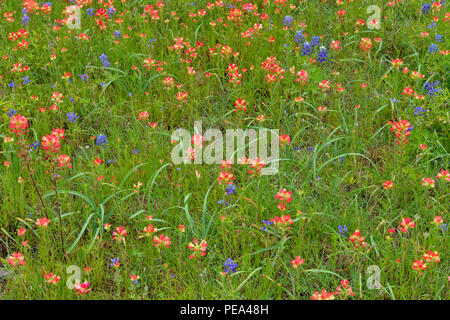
pixel 343 292
pixel 226 177
pixel 119 234
pixel 162 240
pixel 51 146
pixel 366 44
pixel 153 12
pixel 358 240
pixel 199 248
pixel 82 288
pixel 18 124
pixel 234 74
pixel 406 224
pixel 273 69
pixel 31 6
pixel 282 222
pixel 102 17
pixel 429 256
pixel 255 164
pixel 402 130
pixel 285 197
pixel 444 174
pixel 16 259
pixel 302 77
pixel 239 104
pixel 51 278
pixel 14 36
pixel 285 140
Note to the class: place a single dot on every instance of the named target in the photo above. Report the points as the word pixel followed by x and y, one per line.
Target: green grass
pixel 335 165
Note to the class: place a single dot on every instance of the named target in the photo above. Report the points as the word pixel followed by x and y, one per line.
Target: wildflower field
pixel 93 205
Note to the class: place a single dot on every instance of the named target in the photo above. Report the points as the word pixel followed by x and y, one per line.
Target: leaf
pixel 75 193
pixel 245 281
pixel 80 234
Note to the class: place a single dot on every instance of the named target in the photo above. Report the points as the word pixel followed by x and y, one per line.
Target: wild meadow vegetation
pixel 93 207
